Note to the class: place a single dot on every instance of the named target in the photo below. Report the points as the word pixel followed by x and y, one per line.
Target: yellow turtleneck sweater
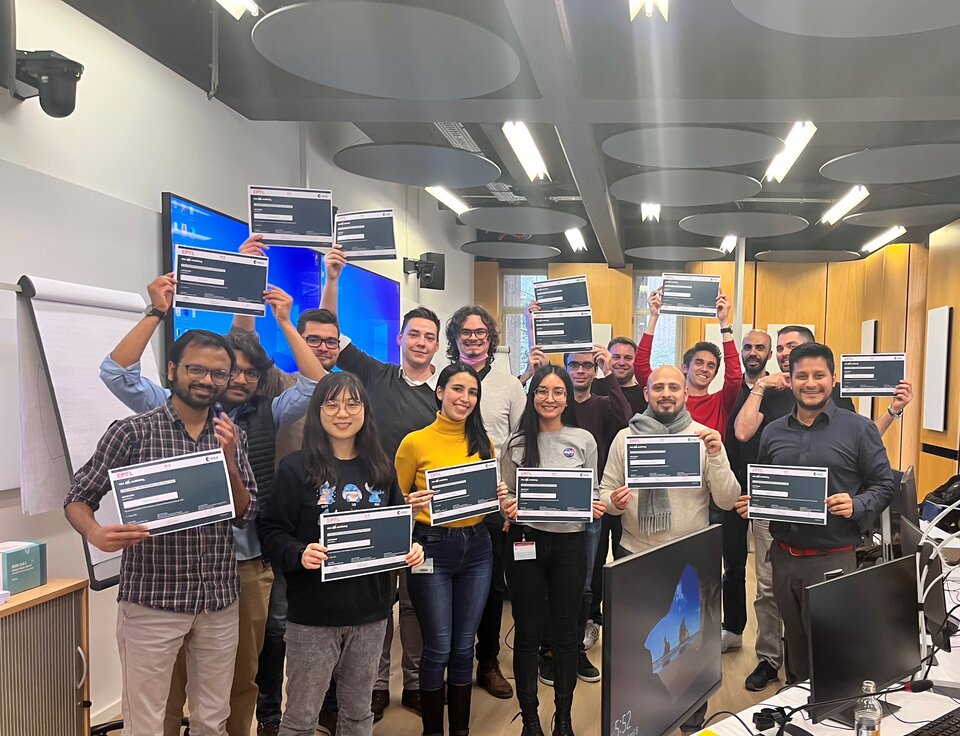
pixel 438 445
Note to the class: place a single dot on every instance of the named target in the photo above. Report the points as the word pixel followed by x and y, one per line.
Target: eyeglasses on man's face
pixel 480 333
pixel 315 341
pixel 195 372
pixel 574 365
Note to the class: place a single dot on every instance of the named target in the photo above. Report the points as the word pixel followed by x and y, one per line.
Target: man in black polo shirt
pixel 817 433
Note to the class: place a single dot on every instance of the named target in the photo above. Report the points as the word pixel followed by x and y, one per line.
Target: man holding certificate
pixel 179 588
pixel 819 435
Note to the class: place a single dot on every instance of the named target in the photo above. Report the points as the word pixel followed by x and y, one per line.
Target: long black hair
pixel 528 433
pixel 318 457
pixel 478 443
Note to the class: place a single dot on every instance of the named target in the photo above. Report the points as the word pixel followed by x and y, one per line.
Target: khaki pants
pixel 149 640
pixel 256 579
pixel 769 645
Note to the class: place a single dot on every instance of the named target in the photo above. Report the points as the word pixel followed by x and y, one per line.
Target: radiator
pixel 42 669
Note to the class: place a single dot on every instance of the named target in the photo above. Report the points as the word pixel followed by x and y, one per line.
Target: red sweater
pixel 711 410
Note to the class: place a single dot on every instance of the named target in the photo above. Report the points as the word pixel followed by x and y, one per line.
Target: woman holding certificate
pixel 450 589
pixel 546 562
pixel 338 624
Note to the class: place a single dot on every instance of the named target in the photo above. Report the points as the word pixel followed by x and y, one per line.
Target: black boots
pixel 562 723
pixel 531 723
pixel 431 711
pixel 458 709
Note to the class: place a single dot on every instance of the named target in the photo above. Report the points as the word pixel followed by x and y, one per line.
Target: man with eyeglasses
pixel 473 337
pixel 260 417
pixel 181 589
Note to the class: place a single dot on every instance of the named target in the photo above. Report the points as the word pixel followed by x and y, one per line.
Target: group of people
pixel 217 614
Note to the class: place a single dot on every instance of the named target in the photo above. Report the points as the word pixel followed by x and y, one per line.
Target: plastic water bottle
pixel 867 714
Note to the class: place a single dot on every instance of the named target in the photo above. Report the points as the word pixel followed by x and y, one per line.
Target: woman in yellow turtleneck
pixel 449 600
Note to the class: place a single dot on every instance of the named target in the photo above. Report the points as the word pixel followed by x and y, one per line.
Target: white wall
pixel 140 129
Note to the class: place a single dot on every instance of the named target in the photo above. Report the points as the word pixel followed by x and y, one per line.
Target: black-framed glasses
pixel 351 406
pixel 480 334
pixel 543 392
pixel 251 374
pixel 197 373
pixel 574 365
pixel 315 341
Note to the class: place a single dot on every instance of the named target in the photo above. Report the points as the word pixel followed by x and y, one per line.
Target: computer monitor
pixel 861 626
pixel 661 635
pixel 935 604
pixel 908 497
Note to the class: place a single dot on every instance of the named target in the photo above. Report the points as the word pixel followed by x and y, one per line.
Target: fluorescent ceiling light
pixel 883 238
pixel 648 6
pixel 799 137
pixel 448 199
pixel 575 238
pixel 846 203
pixel 522 143
pixel 236 8
pixel 649 211
pixel 729 244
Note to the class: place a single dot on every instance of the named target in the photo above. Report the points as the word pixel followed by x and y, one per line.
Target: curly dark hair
pixel 456 322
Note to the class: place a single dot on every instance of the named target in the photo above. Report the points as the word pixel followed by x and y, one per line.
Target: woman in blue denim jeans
pixel 450 589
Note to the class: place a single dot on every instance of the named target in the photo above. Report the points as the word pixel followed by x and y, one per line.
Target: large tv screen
pixel 369 308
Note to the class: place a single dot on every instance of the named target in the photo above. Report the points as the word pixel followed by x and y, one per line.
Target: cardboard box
pixel 23 565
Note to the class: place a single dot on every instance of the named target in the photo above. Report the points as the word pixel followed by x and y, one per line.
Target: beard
pixel 666 417
pixel 196 402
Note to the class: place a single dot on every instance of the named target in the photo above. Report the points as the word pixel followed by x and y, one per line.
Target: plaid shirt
pixel 189 571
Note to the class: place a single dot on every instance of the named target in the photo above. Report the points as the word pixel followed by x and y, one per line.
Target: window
pixel 666 339
pixel 517 294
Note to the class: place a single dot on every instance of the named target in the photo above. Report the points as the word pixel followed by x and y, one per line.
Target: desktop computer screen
pixel 661 635
pixel 908 497
pixel 861 626
pixel 935 604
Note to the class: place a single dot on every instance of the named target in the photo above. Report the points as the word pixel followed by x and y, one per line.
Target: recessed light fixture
pixel 237 8
pixel 846 203
pixel 522 143
pixel 649 211
pixel 448 199
pixel 793 146
pixel 728 244
pixel 648 6
pixel 575 238
pixel 883 238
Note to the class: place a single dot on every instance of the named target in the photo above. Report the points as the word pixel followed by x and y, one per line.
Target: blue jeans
pixel 450 600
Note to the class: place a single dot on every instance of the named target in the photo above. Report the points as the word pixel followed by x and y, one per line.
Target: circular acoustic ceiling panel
pixel 896 165
pixel 851 18
pixel 685 188
pixel 521 219
pixel 743 224
pixel 381 49
pixel 675 253
pixel 806 256
pixel 509 251
pixel 418 164
pixel 927 214
pixel 691 147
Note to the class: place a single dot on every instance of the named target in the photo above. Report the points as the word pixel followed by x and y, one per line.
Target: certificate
pixel 557 294
pixel 690 295
pixel 554 494
pixel 463 491
pixel 365 541
pixel 366 235
pixel 663 461
pixel 291 217
pixel 871 375
pixel 217 281
pixel 563 332
pixel 176 493
pixel 792 494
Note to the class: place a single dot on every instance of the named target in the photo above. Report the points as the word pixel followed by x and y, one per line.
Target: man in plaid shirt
pixel 182 587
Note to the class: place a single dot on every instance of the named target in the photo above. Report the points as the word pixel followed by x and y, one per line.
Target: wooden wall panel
pixel 914 346
pixel 487 287
pixel 694 329
pixel 791 293
pixel 844 308
pixel 892 330
pixel 611 292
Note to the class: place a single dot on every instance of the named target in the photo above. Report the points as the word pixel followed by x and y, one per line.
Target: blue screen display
pixel 369 309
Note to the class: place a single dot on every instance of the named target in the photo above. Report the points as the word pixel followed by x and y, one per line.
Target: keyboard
pixel 946 725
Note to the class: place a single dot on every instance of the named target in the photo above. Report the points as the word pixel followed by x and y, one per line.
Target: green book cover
pixel 23 565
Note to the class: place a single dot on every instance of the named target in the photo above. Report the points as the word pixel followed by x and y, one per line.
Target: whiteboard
pixel 935 369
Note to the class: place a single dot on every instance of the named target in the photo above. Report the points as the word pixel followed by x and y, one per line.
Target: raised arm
pixel 901 397
pixel 281 304
pixel 333 263
pixel 160 293
pixel 641 362
pixel 732 371
pixel 750 417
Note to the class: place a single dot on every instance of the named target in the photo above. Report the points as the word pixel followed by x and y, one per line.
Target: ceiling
pixel 584 73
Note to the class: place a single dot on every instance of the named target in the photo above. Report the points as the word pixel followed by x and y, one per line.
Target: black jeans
pixel 735 531
pixel 488 634
pixel 611 529
pixel 547 590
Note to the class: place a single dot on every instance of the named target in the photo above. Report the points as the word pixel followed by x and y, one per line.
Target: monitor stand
pixel 845 716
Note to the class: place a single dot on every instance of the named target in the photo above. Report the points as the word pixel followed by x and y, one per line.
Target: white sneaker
pixel 729 640
pixel 591 634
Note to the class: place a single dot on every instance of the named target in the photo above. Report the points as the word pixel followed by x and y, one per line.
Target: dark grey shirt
pixel 849 446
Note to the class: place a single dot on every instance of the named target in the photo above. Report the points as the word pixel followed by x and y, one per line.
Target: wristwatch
pixel 152 311
pixel 726 330
pixel 894 414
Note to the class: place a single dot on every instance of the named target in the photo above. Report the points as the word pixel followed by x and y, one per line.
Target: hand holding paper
pixel 742 506
pixel 281 303
pixel 599 509
pixel 161 291
pixel 419 500
pixel 621 497
pixel 115 537
pixel 902 396
pixel 416 556
pixel 711 440
pixel 334 261
pixel 655 301
pixel 313 556
pixel 840 504
pixel 723 310
pixel 253 246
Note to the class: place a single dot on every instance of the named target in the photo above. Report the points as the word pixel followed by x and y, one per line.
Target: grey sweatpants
pixel 314 653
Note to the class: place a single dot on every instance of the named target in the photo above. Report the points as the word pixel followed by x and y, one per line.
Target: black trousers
pixel 546 592
pixel 488 634
pixel 611 530
pixel 735 531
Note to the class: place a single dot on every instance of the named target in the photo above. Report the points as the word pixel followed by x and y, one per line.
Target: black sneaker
pixel 763 675
pixel 545 669
pixel 585 669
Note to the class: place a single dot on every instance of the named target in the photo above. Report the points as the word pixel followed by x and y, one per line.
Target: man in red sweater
pixel 700 365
